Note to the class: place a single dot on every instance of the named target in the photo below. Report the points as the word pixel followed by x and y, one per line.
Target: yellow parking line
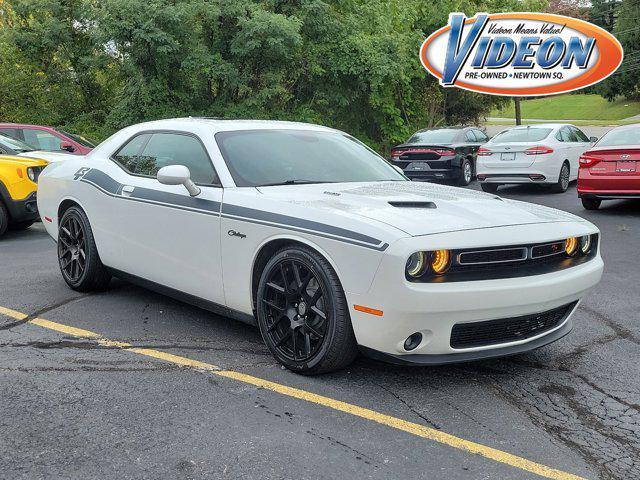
pixel 371 415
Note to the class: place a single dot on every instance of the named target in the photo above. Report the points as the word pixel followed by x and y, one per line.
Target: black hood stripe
pixel 108 185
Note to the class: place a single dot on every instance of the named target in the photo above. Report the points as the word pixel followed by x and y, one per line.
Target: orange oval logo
pixel 520 54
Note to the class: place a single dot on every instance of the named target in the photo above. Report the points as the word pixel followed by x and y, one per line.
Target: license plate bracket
pixel 508 156
pixel 418 166
pixel 626 167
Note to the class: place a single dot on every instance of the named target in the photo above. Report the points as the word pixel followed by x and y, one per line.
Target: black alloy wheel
pixel 302 313
pixel 78 257
pixel 72 249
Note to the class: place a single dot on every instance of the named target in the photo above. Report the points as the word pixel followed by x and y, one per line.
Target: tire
pixel 563 180
pixel 489 187
pixel 21 225
pixel 466 173
pixel 591 203
pixel 4 218
pixel 78 257
pixel 302 340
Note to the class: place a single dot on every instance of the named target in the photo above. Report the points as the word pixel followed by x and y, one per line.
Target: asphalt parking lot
pixel 134 403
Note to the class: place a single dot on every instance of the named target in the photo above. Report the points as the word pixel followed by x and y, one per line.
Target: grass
pixel 573 107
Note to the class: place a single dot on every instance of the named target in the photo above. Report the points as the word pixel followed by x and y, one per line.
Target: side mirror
pixel 178 175
pixel 593 139
pixel 67 147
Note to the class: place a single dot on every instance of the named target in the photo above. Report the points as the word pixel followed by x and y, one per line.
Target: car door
pixel 159 232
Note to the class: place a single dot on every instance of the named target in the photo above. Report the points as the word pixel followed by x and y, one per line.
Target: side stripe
pixel 111 187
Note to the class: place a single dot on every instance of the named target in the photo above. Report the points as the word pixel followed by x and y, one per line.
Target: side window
pixel 469 136
pixel 480 136
pixel 11 132
pixel 147 153
pixel 573 137
pixel 563 135
pixel 581 136
pixel 41 139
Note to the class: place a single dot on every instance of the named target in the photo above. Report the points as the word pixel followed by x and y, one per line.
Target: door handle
pixel 127 190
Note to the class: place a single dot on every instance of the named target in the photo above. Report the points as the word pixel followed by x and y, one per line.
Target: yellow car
pixel 18 185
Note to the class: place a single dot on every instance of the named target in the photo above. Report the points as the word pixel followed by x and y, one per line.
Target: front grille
pixel 492 256
pixel 504 330
pixel 547 250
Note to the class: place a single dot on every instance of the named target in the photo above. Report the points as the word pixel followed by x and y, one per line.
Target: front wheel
pixel 303 313
pixel 4 218
pixel 466 173
pixel 591 203
pixel 563 180
pixel 77 253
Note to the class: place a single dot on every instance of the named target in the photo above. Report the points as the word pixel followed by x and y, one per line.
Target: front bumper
pixel 24 210
pixel 434 308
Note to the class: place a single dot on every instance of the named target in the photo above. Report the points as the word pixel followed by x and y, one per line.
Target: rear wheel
pixel 4 219
pixel 466 173
pixel 77 253
pixel 303 314
pixel 489 187
pixel 591 203
pixel 563 180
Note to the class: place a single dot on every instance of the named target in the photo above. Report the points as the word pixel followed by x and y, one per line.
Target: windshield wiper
pixel 293 182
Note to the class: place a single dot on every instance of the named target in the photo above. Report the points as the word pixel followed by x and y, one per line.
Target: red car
pixel 611 168
pixel 47 138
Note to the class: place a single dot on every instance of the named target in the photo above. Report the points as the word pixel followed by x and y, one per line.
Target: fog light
pixel 571 246
pixel 412 341
pixel 585 244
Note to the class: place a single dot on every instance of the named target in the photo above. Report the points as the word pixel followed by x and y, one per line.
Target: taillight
pixel 484 152
pixel 587 161
pixel 395 154
pixel 538 150
pixel 444 151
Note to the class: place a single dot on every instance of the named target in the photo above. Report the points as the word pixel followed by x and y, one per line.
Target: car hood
pixel 27 162
pixel 413 207
pixel 50 156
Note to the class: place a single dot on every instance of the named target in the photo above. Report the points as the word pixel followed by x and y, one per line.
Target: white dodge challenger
pixel 308 233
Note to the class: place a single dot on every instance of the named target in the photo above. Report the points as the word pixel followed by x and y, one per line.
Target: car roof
pixel 456 127
pixel 14 125
pixel 543 125
pixel 220 125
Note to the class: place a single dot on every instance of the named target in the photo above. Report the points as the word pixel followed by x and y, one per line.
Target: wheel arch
pixel 269 247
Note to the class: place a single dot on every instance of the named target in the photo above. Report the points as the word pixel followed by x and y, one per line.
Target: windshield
pixel 622 136
pixel 15 144
pixel 85 142
pixel 439 136
pixel 276 157
pixel 517 135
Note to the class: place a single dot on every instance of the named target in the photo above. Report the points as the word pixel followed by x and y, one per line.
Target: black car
pixel 447 153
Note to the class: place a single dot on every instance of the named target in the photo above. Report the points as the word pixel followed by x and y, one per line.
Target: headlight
pixel 416 264
pixel 585 244
pixel 33 174
pixel 571 246
pixel 440 261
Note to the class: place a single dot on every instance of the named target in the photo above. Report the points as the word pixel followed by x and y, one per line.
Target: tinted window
pixel 469 136
pixel 85 142
pixel 621 136
pixel 163 149
pixel 480 136
pixel 13 144
pixel 41 139
pixel 515 135
pixel 564 136
pixel 580 135
pixel 11 132
pixel 261 157
pixel 444 135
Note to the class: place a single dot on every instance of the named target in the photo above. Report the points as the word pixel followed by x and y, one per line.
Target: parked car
pixel 447 153
pixel 12 146
pixel 611 168
pixel 543 153
pixel 48 139
pixel 311 235
pixel 18 184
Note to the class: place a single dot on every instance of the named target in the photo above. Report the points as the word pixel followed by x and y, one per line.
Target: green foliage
pixel 95 67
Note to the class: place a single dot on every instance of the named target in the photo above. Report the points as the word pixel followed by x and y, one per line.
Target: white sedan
pixel 545 153
pixel 311 235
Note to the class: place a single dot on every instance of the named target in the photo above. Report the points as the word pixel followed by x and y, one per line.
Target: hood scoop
pixel 412 204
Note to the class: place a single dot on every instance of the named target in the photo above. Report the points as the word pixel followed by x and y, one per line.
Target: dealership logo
pixel 520 54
